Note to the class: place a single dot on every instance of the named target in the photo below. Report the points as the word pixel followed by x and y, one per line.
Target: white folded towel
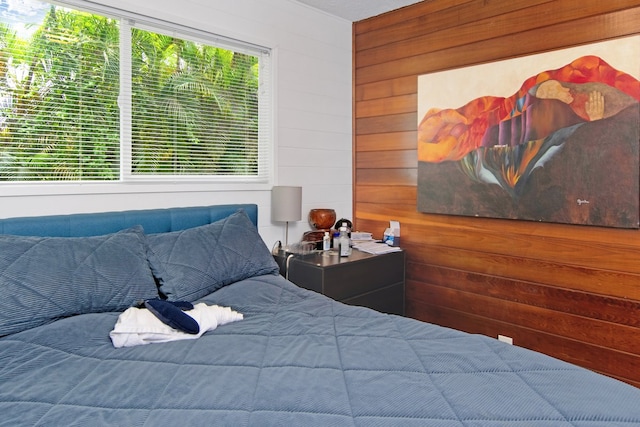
pixel 138 326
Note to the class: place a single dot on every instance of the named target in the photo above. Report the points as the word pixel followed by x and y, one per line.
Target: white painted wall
pixel 312 115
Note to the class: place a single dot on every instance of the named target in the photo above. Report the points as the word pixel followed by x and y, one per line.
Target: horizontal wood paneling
pixel 387 159
pixel 529 42
pixel 380 194
pixel 387 141
pixel 386 89
pixel 618 311
pixel 569 291
pixel 460 27
pixel 387 177
pixel 383 124
pixel 620 365
pixel 396 105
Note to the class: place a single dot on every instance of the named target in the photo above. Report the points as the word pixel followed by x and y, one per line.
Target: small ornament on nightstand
pixel 321 221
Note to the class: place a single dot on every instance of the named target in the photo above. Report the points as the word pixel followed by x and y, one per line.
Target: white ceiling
pixel 357 10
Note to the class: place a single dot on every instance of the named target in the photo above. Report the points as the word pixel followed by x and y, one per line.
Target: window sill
pixel 14 189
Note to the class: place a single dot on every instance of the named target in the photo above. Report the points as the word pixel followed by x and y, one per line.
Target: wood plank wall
pixel 569 291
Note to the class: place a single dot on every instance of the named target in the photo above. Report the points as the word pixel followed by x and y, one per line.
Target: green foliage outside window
pixel 194 107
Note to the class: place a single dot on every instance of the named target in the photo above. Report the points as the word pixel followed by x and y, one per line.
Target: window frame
pixel 130 183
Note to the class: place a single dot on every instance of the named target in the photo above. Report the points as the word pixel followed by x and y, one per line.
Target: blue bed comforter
pixel 297 359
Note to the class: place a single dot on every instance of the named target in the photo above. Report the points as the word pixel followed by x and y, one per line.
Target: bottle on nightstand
pixel 326 241
pixel 344 244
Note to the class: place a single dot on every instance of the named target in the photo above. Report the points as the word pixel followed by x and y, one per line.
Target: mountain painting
pixel 562 144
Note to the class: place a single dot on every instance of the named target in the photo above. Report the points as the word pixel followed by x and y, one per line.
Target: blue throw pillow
pixel 192 263
pixel 46 278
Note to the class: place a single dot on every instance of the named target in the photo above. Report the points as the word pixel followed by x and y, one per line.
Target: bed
pixel 295 358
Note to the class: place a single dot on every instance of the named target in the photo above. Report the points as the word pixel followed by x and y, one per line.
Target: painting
pixel 550 137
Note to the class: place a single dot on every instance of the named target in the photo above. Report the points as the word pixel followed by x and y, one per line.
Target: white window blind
pixel 89 96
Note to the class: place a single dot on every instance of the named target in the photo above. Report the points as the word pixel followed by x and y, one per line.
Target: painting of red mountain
pixel 562 147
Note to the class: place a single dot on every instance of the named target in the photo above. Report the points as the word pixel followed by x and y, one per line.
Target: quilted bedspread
pixel 297 359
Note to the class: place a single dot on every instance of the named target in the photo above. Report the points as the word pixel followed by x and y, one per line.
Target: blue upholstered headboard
pixel 94 224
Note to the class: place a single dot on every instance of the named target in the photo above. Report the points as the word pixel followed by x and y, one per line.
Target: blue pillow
pixel 46 278
pixel 195 262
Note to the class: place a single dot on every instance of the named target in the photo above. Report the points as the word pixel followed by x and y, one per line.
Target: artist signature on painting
pixel 582 202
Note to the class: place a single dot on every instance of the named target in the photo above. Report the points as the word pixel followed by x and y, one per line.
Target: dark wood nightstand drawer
pixel 375 281
pixel 364 275
pixel 387 300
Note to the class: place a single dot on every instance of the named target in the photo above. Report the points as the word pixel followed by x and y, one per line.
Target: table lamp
pixel 286 205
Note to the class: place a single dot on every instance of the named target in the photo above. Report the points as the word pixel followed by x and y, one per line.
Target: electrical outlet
pixel 506 339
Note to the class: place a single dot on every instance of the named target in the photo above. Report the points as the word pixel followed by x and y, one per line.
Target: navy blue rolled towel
pixel 170 313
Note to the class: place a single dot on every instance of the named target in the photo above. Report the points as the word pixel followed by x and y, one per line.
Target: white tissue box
pixel 392 234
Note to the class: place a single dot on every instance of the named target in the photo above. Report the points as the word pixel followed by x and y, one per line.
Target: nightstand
pixel 374 281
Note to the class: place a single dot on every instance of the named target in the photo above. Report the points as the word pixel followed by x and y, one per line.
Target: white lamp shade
pixel 286 203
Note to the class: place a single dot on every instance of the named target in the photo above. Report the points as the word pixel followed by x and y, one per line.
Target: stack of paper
pixel 360 235
pixel 376 248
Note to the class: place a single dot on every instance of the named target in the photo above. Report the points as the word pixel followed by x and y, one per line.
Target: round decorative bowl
pixel 322 219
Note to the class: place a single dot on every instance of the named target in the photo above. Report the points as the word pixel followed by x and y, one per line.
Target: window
pixel 91 97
